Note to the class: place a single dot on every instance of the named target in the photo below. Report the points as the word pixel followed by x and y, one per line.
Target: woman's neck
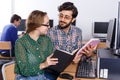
pixel 34 35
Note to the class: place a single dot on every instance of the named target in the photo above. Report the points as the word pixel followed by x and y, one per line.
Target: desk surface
pixel 71 69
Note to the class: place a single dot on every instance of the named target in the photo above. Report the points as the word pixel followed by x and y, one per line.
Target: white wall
pixel 95 10
pixel 89 11
pixel 5 13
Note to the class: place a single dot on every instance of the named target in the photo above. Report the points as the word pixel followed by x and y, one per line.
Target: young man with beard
pixel 66 36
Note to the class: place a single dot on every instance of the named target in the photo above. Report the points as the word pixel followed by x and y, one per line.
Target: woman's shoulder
pixel 45 37
pixel 21 39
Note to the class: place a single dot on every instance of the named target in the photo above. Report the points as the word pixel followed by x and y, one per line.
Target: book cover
pixel 64 59
pixel 93 42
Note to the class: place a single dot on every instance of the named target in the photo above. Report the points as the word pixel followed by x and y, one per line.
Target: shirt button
pixel 39 56
pixel 37 48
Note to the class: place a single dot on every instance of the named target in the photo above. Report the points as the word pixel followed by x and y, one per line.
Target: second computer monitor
pixel 100 29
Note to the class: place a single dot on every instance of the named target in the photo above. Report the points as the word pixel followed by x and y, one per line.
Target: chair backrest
pixel 8 71
pixel 5 45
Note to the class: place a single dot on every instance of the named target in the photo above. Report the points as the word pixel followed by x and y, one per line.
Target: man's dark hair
pixel 15 17
pixel 69 6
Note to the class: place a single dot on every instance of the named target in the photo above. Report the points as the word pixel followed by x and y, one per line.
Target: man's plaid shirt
pixel 68 42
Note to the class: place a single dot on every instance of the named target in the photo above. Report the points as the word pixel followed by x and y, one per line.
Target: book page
pixel 65 51
pixel 73 52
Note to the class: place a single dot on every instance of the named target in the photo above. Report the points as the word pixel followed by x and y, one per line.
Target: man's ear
pixel 73 20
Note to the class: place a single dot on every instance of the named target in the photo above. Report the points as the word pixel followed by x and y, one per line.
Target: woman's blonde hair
pixel 35 19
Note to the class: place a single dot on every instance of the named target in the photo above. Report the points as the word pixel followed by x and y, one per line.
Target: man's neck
pixel 66 30
pixel 14 25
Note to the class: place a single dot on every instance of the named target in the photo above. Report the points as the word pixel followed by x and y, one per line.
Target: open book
pixel 64 59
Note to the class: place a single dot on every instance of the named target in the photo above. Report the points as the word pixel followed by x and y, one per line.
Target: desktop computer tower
pixel 108 65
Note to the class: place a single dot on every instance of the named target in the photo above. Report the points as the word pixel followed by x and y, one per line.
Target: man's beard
pixel 66 26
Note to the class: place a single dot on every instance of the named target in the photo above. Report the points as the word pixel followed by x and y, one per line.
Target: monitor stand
pixel 102 39
pixel 116 52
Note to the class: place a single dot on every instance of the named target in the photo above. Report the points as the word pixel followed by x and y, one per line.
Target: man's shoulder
pixel 76 28
pixel 54 28
pixel 9 26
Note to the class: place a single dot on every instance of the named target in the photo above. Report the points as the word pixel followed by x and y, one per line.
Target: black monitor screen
pixel 100 27
pixel 22 27
pixel 51 22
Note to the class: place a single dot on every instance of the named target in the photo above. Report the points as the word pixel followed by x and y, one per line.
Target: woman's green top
pixel 30 54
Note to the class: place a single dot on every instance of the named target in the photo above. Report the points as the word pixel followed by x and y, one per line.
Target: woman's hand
pixel 49 61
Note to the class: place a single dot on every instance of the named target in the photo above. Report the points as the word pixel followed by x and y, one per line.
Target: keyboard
pixel 86 69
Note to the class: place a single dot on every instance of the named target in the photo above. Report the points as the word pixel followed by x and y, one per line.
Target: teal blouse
pixel 30 53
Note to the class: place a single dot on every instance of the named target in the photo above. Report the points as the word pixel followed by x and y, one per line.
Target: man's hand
pixel 88 51
pixel 77 58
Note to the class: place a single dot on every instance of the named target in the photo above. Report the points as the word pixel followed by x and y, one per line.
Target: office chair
pixel 8 71
pixel 6 45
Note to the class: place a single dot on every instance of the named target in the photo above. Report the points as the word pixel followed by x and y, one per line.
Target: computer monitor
pixel 100 29
pixel 51 23
pixel 113 36
pixel 22 27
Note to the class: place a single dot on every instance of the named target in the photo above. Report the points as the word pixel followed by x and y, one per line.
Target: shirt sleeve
pixel 13 35
pixel 79 38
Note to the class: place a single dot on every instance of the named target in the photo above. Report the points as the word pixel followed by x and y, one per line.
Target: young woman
pixel 33 51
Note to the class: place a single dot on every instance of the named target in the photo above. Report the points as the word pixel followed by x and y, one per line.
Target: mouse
pixel 66 76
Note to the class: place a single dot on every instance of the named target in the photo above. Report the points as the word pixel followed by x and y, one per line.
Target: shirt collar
pixel 70 30
pixel 33 42
pixel 13 25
